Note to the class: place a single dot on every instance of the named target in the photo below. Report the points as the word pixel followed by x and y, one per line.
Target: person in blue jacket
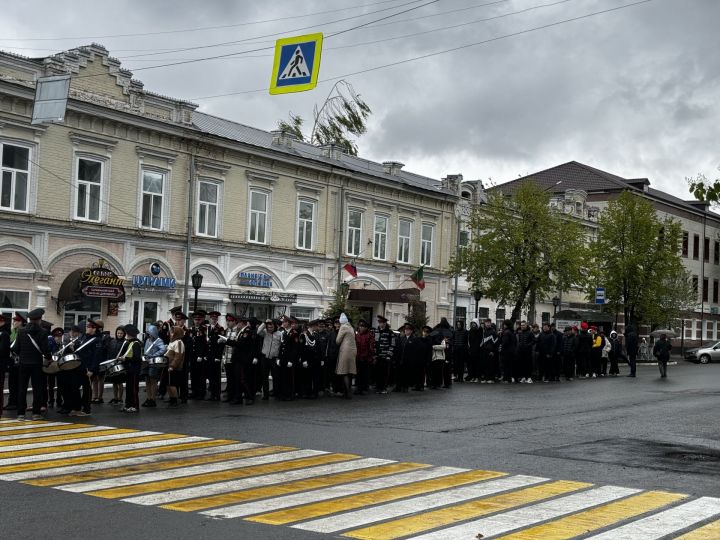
pixel 154 346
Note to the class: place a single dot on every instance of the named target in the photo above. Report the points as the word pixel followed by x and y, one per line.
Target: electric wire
pixel 446 51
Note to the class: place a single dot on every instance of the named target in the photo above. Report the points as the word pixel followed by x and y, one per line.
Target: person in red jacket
pixel 365 343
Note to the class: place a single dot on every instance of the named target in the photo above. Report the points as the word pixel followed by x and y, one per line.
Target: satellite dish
pixel 51 95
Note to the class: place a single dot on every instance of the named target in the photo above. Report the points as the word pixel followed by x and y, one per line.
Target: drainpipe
pixel 188 239
pixel 341 231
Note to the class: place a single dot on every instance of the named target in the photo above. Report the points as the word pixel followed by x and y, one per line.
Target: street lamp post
pixel 477 294
pixel 556 305
pixel 197 279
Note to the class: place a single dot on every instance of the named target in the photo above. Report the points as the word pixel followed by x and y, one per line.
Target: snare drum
pixel 51 367
pixel 115 369
pixel 157 361
pixel 68 362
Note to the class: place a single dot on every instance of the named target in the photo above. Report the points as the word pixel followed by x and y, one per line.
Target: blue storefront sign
pixel 153 282
pixel 254 279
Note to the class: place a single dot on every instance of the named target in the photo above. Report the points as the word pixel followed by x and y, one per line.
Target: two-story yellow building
pixel 108 212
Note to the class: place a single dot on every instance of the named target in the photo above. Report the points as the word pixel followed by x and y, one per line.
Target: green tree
pixel 342 114
pixel 704 189
pixel 339 304
pixel 636 258
pixel 417 315
pixel 521 249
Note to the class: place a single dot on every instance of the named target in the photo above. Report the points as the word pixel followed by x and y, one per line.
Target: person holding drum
pixel 31 346
pixel 176 360
pixel 97 379
pixel 90 351
pixel 132 360
pixel 55 342
pixel 154 356
pixel 114 350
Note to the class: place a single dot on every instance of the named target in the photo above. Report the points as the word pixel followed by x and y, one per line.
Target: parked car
pixel 704 355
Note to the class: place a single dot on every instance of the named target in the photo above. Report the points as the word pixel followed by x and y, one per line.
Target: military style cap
pixel 214 314
pixel 180 314
pixel 36 314
pixel 380 318
pixel 131 330
pixel 199 313
pixel 57 331
pixel 230 317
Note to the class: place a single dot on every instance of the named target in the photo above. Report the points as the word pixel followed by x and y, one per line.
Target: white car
pixel 704 355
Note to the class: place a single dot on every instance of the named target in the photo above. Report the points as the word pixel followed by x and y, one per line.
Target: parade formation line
pixel 335 493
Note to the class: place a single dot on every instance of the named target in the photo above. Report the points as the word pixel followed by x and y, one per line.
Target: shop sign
pixel 153 283
pixel 265 298
pixel 254 279
pixel 101 282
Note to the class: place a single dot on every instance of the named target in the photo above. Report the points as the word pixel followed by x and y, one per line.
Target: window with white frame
pixel 207 208
pixel 426 241
pixel 153 191
pixel 14 185
pixel 404 240
pixel 354 232
pixel 306 217
pixel 380 238
pixel 257 231
pixel 89 187
pixel 11 301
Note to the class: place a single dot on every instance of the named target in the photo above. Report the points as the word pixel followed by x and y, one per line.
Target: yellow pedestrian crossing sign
pixel 297 64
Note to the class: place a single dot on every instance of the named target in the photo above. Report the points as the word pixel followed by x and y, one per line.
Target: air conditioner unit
pixel 714 310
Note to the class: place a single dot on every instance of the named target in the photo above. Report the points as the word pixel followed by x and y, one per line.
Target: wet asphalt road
pixel 646 433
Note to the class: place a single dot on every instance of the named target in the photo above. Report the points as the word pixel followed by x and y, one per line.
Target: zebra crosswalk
pixel 337 494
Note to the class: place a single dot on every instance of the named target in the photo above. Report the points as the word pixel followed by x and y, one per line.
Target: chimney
pixel 392 167
pixel 331 150
pixel 452 182
pixel 282 138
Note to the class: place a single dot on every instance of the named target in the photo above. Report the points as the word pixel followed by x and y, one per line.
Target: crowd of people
pixel 288 359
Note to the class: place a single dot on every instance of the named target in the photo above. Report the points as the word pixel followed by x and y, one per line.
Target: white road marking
pixel 343 490
pixel 95 451
pixel 530 515
pixel 53 433
pixel 145 478
pixel 30 425
pixel 357 518
pixel 255 481
pixel 48 444
pixel 169 456
pixel 667 522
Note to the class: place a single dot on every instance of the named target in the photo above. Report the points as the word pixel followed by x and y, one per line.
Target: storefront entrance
pixel 145 313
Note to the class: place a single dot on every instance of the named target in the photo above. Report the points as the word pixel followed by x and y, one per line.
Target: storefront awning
pixel 583 315
pixel 70 288
pixel 395 296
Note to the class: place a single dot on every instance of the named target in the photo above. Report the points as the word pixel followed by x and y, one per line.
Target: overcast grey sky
pixel 633 92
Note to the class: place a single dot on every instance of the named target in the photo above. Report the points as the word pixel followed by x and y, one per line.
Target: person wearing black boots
pixel 31 346
pixel 132 359
pixel 661 351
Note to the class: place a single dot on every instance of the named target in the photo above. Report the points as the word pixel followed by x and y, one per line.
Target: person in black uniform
pixel 91 350
pixel 132 358
pixel 214 358
pixel 287 363
pixel 198 354
pixel 18 322
pixel 508 350
pixel 4 356
pixel 407 352
pixel 311 361
pixel 384 344
pixel 31 346
pixel 489 364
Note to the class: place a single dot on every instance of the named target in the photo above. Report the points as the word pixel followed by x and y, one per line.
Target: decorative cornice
pixel 308 188
pixel 92 140
pixel 261 177
pixel 6 122
pixel 212 168
pixel 144 151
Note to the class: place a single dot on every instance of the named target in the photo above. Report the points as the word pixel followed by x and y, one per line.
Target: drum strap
pixel 81 347
pixel 34 343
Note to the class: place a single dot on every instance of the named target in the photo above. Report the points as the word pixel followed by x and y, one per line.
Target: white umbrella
pixel 669 332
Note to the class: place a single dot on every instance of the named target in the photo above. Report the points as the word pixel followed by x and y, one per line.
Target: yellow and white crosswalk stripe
pixel 338 494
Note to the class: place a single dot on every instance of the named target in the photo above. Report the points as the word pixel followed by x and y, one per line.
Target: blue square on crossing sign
pixel 296 64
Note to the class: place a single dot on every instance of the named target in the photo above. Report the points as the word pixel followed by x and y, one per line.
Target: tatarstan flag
pixel 351 269
pixel 417 278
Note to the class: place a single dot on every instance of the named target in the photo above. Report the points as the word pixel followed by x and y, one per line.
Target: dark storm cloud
pixel 632 92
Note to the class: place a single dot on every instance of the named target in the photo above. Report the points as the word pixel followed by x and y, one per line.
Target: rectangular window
pixel 426 242
pixel 685 242
pixel 716 253
pixel 354 231
pixel 716 291
pixel 705 290
pixel 696 247
pixel 460 313
pixel 153 186
pixel 695 285
pixel 483 313
pixel 706 249
pixel 404 240
pixel 207 208
pixel 258 217
pixel 545 317
pixel 380 238
pixel 709 329
pixel 11 301
pixel 89 183
pixel 306 215
pixel 464 239
pixel 302 313
pixel 14 184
